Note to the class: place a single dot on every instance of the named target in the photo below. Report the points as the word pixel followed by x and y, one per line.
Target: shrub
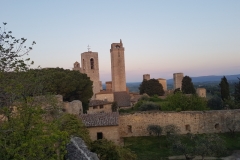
pixel 146 106
pixel 154 129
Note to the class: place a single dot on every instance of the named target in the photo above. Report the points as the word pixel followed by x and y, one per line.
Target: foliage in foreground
pixel 187 85
pixel 107 150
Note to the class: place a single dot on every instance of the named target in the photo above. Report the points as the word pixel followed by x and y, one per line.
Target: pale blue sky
pixel 160 37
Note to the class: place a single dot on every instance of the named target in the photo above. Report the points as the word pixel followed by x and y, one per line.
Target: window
pixel 188 128
pixel 101 106
pixel 217 126
pixel 99 135
pixel 92 63
pixel 129 129
pixel 95 107
pixel 83 64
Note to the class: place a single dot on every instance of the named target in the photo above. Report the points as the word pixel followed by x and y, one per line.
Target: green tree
pixel 151 87
pixel 154 129
pixel 215 103
pixel 237 91
pixel 187 86
pixel 224 89
pixel 114 106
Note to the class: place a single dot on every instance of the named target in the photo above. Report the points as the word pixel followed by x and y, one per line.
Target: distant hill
pixel 210 78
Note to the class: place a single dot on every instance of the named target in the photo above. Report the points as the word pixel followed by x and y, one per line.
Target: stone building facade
pixel 118 67
pixel 201 92
pixel 163 82
pixel 146 77
pixel 99 106
pixel 177 80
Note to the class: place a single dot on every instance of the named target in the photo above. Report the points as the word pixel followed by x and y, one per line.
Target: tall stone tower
pixel 118 67
pixel 90 67
pixel 177 78
pixel 146 77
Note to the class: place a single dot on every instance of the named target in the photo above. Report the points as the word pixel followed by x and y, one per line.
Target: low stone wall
pixel 188 121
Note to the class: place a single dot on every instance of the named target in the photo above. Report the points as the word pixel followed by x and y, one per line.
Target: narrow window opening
pixel 99 135
pixel 92 63
pixel 217 126
pixel 101 106
pixel 188 128
pixel 129 129
pixel 95 107
pixel 83 64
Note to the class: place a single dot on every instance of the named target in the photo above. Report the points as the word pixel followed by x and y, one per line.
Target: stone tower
pixel 118 67
pixel 146 77
pixel 90 67
pixel 177 78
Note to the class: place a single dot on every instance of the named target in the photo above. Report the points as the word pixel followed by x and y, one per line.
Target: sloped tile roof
pixel 122 98
pixel 100 119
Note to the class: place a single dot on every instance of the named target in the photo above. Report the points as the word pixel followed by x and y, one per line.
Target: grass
pixel 156 148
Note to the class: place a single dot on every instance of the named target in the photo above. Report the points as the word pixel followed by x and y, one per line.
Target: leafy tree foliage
pixel 215 103
pixel 237 91
pixel 187 86
pixel 154 129
pixel 146 106
pixel 224 87
pixel 107 150
pixel 171 130
pixel 151 87
pixel 182 102
pixel 11 51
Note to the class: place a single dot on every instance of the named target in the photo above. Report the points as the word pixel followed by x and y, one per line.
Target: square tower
pixel 90 67
pixel 177 78
pixel 118 67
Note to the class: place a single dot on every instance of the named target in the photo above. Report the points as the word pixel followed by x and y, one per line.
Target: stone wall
pixel 105 96
pixel 188 121
pixel 109 132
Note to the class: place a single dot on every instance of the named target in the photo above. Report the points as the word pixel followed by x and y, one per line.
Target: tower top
pixel 120 41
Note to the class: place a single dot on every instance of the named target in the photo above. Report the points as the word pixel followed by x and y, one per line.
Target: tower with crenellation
pixel 118 67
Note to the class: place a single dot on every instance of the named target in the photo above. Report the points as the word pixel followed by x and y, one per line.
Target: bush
pixel 146 106
pixel 215 103
pixel 154 129
pixel 171 129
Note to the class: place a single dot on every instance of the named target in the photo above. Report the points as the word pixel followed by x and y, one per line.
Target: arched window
pixel 92 63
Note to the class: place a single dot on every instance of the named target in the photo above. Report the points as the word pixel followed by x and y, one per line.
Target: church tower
pixel 118 67
pixel 90 67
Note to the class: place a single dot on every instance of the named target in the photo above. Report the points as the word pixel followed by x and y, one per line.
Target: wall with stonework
pixel 107 108
pixel 197 121
pixel 108 96
pixel 109 132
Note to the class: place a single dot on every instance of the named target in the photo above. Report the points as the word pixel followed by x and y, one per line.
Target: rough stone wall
pixel 107 96
pixel 92 72
pixel 146 77
pixel 177 80
pixel 74 107
pixel 163 82
pixel 118 67
pixel 107 108
pixel 201 92
pixel 187 121
pixel 109 132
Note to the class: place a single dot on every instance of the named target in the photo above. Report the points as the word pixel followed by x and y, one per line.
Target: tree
pixel 12 50
pixel 224 89
pixel 147 106
pixel 215 103
pixel 154 129
pixel 114 106
pixel 187 86
pixel 237 91
pixel 171 130
pixel 151 87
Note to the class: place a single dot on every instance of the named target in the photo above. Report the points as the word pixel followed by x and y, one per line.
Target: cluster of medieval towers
pixel 90 66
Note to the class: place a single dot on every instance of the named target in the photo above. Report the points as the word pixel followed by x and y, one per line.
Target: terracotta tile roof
pixel 100 119
pixel 122 98
pixel 135 98
pixel 98 102
pixel 104 92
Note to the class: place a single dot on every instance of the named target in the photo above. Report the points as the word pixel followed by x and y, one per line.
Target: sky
pixel 160 37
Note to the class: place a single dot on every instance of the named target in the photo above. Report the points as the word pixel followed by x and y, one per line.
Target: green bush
pixel 146 106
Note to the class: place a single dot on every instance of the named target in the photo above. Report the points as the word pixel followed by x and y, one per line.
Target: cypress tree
pixel 187 86
pixel 224 89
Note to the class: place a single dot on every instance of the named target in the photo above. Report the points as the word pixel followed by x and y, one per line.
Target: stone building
pixel 99 106
pixel 90 66
pixel 146 77
pixel 118 67
pixel 201 92
pixel 163 82
pixel 177 78
pixel 102 125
